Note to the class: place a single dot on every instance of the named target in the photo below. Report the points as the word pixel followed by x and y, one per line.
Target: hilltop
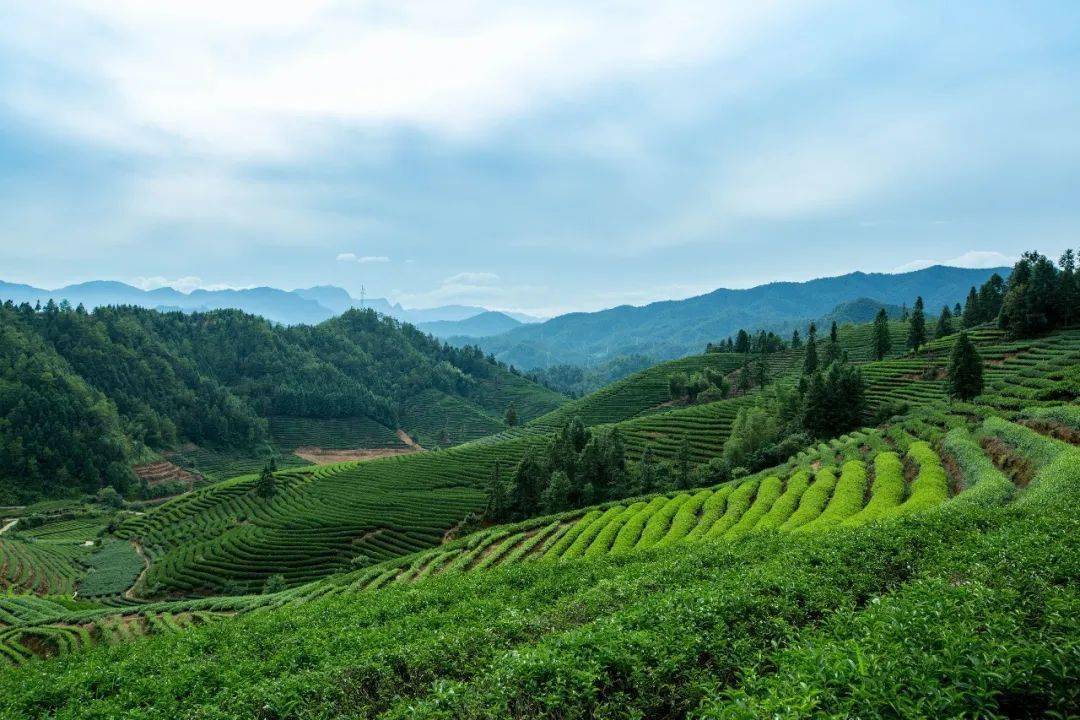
pixel 90 394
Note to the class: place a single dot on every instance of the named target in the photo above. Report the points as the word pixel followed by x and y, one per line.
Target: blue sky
pixel 536 156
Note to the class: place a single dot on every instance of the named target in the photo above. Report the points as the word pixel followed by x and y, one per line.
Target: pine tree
pixel 496 501
pixel 971 316
pixel 745 383
pixel 917 328
pixel 682 465
pixel 944 323
pixel 1069 289
pixel 556 496
pixel 266 485
pixel 810 359
pixel 957 311
pixel 526 486
pixel 965 375
pixel 742 342
pixel 882 338
pixel 832 350
pixel 511 415
pixel 762 371
pixel 677 383
pixel 796 341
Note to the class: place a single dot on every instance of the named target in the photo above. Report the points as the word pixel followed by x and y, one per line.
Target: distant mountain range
pixel 483 325
pixel 675 328
pixel 290 307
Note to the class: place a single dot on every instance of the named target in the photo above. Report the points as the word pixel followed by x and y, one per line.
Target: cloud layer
pixel 531 155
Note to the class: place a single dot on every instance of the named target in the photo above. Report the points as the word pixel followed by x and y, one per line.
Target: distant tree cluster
pixel 707 386
pixel 1040 297
pixel 579 467
pixel 744 343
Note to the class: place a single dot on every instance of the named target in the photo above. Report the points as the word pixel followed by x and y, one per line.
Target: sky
pixel 541 156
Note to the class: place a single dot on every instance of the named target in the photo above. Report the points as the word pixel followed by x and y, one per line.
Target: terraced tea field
pixel 289 433
pixel 854 480
pixel 929 463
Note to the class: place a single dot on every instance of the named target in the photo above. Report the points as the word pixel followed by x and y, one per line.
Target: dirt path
pixel 10 524
pixel 404 437
pixel 146 566
pixel 324 456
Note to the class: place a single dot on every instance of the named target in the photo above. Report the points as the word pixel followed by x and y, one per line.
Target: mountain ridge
pixel 671 328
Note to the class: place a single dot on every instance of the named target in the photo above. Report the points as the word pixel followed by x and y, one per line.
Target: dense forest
pixel 84 393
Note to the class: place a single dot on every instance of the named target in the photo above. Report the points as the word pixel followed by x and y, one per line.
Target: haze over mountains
pixel 291 307
pixel 673 328
pixel 660 330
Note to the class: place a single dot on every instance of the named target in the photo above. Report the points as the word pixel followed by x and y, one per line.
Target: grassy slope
pixel 963 611
pixel 227 538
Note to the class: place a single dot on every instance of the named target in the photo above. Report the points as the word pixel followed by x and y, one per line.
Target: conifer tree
pixel 495 511
pixel 526 486
pixel 917 327
pixel 1069 293
pixel 556 496
pixel 965 374
pixel 266 486
pixel 957 311
pixel 677 383
pixel 971 309
pixel 882 338
pixel 832 350
pixel 511 415
pixel 742 342
pixel 810 359
pixel 745 383
pixel 944 323
pixel 796 341
pixel 682 465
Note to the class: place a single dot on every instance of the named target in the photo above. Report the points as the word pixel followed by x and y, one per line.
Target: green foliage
pixel 965 372
pixel 847 497
pixel 917 327
pixel 984 483
pixel 1066 415
pixel 753 429
pixel 113 569
pixel 931 486
pixel 834 403
pixel 82 393
pixel 944 324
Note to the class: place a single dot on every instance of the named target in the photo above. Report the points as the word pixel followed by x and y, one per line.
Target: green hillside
pixel 942 525
pixel 87 395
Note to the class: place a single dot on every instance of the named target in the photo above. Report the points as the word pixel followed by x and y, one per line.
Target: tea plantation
pixel 926 566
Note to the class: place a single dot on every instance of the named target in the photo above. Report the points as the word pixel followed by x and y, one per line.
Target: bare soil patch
pixel 1017 467
pixel 324 456
pixel 158 473
pixel 407 439
pixel 1054 430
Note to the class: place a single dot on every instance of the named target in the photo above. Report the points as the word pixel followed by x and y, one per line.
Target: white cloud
pixel 250 78
pixel 185 284
pixel 362 259
pixel 472 278
pixel 970 259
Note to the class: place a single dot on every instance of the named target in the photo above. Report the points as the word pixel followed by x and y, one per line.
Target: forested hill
pixel 674 328
pixel 82 394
